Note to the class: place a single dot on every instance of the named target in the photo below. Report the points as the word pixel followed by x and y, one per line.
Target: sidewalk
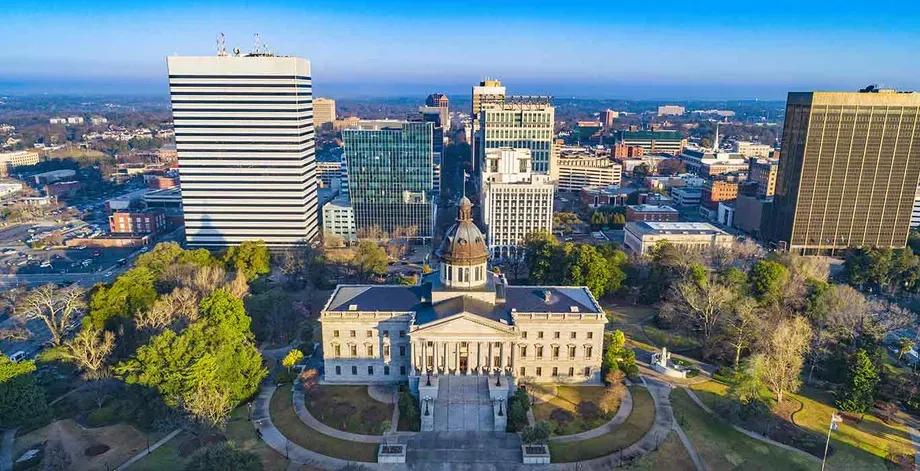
pixel 626 406
pixel 146 452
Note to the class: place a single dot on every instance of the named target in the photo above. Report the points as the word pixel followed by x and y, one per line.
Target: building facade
pixel 650 212
pixel 521 123
pixel 752 149
pixel 642 236
pixel 11 160
pixel 516 201
pixel 137 222
pixel 391 178
pixel 849 170
pixel 653 142
pixel 442 103
pixel 462 320
pixel 573 174
pixel 323 112
pixel 763 172
pixel 339 220
pixel 671 110
pixel 245 144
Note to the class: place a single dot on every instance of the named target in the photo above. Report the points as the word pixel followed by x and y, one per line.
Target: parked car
pixel 18 356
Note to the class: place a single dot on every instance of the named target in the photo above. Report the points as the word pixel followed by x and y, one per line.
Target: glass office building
pixel 391 178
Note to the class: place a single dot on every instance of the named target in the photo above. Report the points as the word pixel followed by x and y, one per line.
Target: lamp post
pixel 835 419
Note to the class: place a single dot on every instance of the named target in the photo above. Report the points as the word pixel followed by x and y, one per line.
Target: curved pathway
pixel 750 433
pixel 261 419
pixel 6 449
pixel 626 406
pixel 300 407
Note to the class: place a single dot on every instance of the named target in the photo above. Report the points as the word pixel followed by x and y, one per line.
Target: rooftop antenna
pixel 257 43
pixel 221 45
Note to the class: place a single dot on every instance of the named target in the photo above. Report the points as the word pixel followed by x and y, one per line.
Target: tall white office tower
pixel 244 135
pixel 517 202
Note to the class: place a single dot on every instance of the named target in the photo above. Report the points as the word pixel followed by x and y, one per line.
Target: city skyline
pixel 660 51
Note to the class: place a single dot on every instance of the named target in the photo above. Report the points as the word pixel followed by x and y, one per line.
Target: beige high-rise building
pixel 323 112
pixel 488 91
pixel 516 201
pixel 848 173
pixel 11 160
pixel 519 122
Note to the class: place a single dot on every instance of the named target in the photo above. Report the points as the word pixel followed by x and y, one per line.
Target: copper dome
pixel 464 243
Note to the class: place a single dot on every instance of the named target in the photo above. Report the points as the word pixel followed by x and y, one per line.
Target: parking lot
pixel 16 257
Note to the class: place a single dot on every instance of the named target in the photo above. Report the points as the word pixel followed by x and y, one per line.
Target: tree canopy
pixel 22 400
pixel 251 257
pixel 549 262
pixel 132 292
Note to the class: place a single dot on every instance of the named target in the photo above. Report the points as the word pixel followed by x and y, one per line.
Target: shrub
pixel 561 416
pixel 588 410
pixel 539 433
pixel 223 457
pixel 518 405
pixel 107 415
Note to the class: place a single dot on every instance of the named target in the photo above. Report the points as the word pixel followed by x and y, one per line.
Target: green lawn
pixel 283 416
pixel 671 456
pixel 564 405
pixel 241 431
pixel 638 423
pixel 722 447
pixel 863 445
pixel 166 456
pixel 349 408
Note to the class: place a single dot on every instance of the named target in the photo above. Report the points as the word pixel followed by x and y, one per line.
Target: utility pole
pixel 835 419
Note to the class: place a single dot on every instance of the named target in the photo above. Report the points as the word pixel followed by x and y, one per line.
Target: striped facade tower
pixel 245 140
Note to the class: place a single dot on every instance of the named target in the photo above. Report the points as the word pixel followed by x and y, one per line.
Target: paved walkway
pixel 141 455
pixel 691 450
pixel 915 441
pixel 272 436
pixel 6 450
pixel 300 407
pixel 664 422
pixel 754 435
pixel 463 405
pixel 626 406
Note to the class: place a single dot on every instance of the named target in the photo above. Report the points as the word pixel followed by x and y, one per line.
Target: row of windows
pixel 369 333
pixel 370 370
pixel 368 349
pixel 539 371
pixel 557 335
pixel 555 349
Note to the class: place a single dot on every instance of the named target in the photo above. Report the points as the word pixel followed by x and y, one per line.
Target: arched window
pixel 466 274
pixel 450 273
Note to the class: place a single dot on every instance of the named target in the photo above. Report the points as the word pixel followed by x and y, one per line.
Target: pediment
pixel 465 325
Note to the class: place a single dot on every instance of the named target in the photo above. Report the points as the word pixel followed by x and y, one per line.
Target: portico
pixel 463 345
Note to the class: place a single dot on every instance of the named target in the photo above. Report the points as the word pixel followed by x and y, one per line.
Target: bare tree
pixel 56 307
pixel 89 350
pixel 238 285
pixel 741 325
pixel 207 404
pixel 180 303
pixel 699 306
pixel 779 363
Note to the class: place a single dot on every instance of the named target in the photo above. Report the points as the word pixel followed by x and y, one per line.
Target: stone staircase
pixel 463 405
pixel 463 450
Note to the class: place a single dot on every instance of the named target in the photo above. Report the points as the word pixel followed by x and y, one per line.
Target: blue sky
pixel 612 48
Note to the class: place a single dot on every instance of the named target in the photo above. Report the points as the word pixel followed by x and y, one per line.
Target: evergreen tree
pixel 22 400
pixel 860 388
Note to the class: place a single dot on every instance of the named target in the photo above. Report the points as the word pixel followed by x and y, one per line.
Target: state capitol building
pixel 462 319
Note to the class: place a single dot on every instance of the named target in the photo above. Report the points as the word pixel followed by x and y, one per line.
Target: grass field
pixel 167 456
pixel 637 424
pixel 722 447
pixel 349 408
pixel 671 456
pixel 863 445
pixel 283 416
pixel 566 401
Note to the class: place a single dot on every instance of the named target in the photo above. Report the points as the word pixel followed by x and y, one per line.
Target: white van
pixel 18 356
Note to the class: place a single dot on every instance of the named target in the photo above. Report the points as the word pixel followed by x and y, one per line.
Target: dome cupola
pixel 463 251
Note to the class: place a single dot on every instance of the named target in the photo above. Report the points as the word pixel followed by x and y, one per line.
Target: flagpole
pixel 834 420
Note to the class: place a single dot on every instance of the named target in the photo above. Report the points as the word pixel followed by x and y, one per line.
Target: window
pixel 539 371
pixel 571 371
pixel 539 351
pixel 588 351
pixel 523 335
pixel 386 334
pixel 370 350
pixel 590 335
pixel 555 371
pixel 335 333
pixel 587 371
pixel 556 334
pixel 338 350
pixel 574 335
pixel 354 370
pixel 354 350
pixel 370 370
pixel 402 370
pixel 386 350
pixel 369 334
pixel 571 351
pixel 555 352
pixel 402 333
pixel 402 350
pixel 338 369
pixel 352 334
pixel 540 334
pixel 523 350
pixel 523 371
pixel 386 371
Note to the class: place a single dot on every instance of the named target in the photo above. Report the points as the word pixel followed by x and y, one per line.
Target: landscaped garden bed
pixel 576 409
pixel 349 408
